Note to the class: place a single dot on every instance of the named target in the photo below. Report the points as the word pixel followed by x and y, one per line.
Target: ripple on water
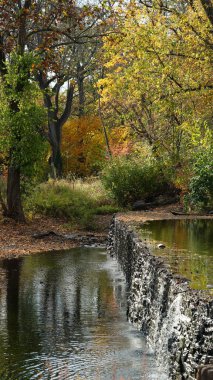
pixel 63 316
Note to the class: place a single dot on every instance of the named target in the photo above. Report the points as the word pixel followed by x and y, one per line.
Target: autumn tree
pixel 14 83
pixel 50 29
pixel 22 120
pixel 158 75
pixel 66 49
pixel 83 146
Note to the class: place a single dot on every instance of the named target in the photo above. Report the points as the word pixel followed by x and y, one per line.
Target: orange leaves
pixel 120 141
pixel 82 145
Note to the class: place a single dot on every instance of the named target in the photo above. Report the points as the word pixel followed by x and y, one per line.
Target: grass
pixel 76 201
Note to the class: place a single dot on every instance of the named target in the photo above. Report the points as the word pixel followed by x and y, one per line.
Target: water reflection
pixel 189 248
pixel 63 316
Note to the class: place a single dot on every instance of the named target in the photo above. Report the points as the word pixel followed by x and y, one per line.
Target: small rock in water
pixel 161 246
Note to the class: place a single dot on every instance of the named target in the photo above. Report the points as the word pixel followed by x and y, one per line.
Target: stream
pixel 63 316
pixel 188 248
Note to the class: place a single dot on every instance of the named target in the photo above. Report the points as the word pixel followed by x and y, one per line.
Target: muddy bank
pixel 23 239
pixel 18 239
pixel 177 320
pixel 159 214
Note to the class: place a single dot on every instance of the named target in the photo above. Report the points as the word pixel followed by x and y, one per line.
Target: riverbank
pixel 42 234
pixel 47 234
pixel 157 214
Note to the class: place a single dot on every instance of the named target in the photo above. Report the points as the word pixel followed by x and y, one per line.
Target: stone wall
pixel 177 320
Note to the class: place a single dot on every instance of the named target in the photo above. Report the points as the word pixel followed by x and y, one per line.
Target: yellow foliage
pixel 83 145
pixel 159 77
pixel 120 141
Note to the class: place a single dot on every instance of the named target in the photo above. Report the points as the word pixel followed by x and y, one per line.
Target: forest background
pixel 104 104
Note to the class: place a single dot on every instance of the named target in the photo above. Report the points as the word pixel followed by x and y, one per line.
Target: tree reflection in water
pixel 65 318
pixel 189 248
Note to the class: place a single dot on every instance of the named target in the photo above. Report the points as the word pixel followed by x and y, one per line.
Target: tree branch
pixel 208 8
pixel 65 115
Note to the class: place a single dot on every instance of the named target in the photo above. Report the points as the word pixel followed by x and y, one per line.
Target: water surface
pixel 63 316
pixel 188 248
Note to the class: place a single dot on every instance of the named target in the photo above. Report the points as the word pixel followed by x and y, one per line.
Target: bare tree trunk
pixel 56 161
pixel 55 142
pixel 55 122
pixel 14 204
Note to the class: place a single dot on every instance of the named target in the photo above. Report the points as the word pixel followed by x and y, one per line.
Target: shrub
pixel 60 200
pixel 131 179
pixel 200 194
pixel 76 201
pixel 107 209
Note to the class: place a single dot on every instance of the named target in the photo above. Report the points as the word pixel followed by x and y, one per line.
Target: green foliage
pixel 131 179
pixel 18 71
pixel 31 146
pixel 107 209
pixel 200 194
pixel 22 118
pixel 59 200
pixel 92 188
pixel 77 202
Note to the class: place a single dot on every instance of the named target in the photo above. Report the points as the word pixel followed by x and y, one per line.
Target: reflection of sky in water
pixel 64 317
pixel 189 248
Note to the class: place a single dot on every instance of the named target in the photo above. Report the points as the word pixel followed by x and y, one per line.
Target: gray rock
pixel 177 320
pixel 161 246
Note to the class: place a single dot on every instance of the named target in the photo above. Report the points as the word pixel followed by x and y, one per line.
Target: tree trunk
pixel 104 129
pixel 55 122
pixel 80 83
pixel 81 95
pixel 56 161
pixel 55 142
pixel 14 204
pixel 81 104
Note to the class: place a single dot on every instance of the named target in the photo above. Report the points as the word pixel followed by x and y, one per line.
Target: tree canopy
pixel 158 77
pixel 98 80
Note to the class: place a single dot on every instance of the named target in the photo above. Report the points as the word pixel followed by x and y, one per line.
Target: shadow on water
pixel 188 248
pixel 63 316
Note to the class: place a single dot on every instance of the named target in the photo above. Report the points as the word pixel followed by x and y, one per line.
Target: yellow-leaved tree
pixel 159 78
pixel 83 146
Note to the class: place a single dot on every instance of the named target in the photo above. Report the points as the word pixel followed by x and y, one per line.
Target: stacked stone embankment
pixel 177 320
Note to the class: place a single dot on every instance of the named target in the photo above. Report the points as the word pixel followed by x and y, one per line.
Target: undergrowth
pixel 130 179
pixel 77 201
